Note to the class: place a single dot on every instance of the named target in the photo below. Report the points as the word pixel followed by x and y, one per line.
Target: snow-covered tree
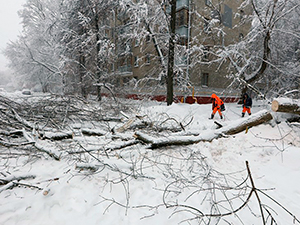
pixel 266 60
pixel 144 25
pixel 88 51
pixel 35 55
pixel 78 46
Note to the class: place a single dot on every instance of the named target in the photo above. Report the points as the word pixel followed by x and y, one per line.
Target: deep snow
pixel 64 194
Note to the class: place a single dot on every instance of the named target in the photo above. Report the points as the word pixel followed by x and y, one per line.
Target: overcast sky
pixel 9 25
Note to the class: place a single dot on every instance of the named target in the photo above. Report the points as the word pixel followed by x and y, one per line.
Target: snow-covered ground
pixel 135 185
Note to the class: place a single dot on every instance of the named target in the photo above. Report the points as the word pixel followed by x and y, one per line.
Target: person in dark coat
pixel 247 104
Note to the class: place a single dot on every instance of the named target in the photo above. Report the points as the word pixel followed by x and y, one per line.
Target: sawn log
pixel 286 105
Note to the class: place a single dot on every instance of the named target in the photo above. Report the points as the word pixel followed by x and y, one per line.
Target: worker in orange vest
pixel 217 106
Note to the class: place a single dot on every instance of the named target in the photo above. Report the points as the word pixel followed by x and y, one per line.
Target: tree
pixel 87 46
pixel 260 59
pixel 76 39
pixel 35 55
pixel 153 19
pixel 170 74
pixel 65 45
pixel 147 25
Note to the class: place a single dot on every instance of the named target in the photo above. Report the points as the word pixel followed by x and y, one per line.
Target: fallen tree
pixel 57 135
pixel 234 128
pixel 286 105
pixel 93 132
pixel 42 146
pixel 10 182
pixel 246 123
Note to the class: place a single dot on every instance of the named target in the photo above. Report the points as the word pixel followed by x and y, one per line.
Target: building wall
pixel 146 54
pixel 226 16
pixel 196 15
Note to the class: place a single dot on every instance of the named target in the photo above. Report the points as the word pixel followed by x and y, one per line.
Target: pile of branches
pixel 52 112
pixel 25 121
pixel 30 119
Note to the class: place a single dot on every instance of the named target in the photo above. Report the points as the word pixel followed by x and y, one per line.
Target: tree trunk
pixel 266 51
pixel 170 73
pixel 265 60
pixel 98 72
pixel 286 105
pixel 246 123
pixel 82 74
pixel 234 128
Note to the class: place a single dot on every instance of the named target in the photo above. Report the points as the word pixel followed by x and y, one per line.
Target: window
pixel 148 38
pixel 215 14
pixel 206 25
pixel 208 2
pixel 124 64
pixel 105 21
pixel 227 17
pixel 205 53
pixel 182 41
pixel 136 61
pixel 204 80
pixel 241 36
pixel 147 59
pixel 126 80
pixel 106 33
pixel 182 18
pixel 242 15
pixel 121 30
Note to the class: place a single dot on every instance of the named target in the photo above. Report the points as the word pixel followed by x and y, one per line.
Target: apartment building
pixel 204 25
pixel 221 23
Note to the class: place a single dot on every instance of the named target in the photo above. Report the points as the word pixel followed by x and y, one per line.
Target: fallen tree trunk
pixel 11 133
pixel 57 135
pixel 6 180
pixel 286 105
pixel 126 125
pixel 12 181
pixel 42 146
pixel 87 167
pixel 174 140
pixel 14 184
pixel 9 145
pixel 121 145
pixel 93 132
pixel 234 128
pixel 246 123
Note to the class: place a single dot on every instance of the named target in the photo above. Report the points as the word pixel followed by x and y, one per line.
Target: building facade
pixel 202 28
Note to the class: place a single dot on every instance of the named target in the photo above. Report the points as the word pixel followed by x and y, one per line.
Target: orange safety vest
pixel 217 102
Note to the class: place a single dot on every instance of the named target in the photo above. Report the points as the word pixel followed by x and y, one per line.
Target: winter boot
pixel 212 116
pixel 243 114
pixel 249 114
pixel 221 117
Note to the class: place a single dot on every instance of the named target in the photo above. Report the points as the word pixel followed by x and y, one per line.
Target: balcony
pixel 125 69
pixel 124 29
pixel 182 4
pixel 179 5
pixel 181 61
pixel 124 49
pixel 182 31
